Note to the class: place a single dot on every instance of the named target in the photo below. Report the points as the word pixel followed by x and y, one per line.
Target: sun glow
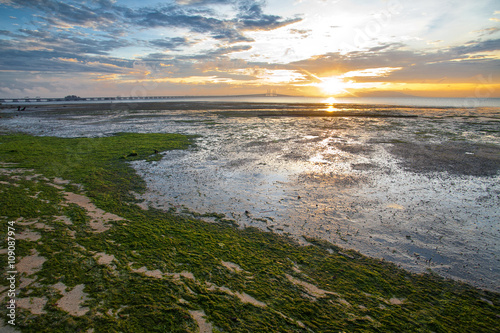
pixel 332 85
pixel 330 101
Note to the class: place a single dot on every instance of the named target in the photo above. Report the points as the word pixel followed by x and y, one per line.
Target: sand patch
pixel 344 302
pixel 8 164
pixel 27 222
pixel 396 301
pixel 155 273
pixel 115 313
pixel 25 282
pixel 29 235
pixel 143 205
pixel 56 186
pixel 64 219
pixel 60 181
pixel 97 215
pixel 487 301
pixel 203 325
pixel 72 300
pixel 35 176
pixel 104 259
pixel 185 274
pixel 310 288
pixel 43 226
pixel 60 286
pixel 4 171
pixel 244 297
pixel 34 304
pixel 232 266
pixel 30 264
pixel 296 268
pixel 159 274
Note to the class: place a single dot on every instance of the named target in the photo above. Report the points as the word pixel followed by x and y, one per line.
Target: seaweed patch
pixel 155 271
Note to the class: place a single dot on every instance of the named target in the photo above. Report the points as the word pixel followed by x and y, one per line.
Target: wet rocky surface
pixel 419 191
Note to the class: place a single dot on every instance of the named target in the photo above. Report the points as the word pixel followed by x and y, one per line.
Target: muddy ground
pixel 419 187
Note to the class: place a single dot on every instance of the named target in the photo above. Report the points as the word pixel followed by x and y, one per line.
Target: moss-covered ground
pixel 243 280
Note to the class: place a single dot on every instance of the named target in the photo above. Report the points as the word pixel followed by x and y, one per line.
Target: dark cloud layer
pixel 107 16
pixel 168 43
pixel 74 13
pixel 56 33
pixel 252 17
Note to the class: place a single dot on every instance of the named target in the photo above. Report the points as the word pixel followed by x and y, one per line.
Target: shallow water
pixel 422 192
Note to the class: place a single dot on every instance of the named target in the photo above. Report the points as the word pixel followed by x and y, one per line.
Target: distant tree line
pixel 73 98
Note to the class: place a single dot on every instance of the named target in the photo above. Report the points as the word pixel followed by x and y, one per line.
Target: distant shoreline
pixel 434 102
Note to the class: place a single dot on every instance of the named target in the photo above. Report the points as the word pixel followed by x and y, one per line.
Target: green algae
pixel 357 293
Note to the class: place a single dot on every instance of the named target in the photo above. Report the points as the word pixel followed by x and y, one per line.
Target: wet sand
pixel 416 186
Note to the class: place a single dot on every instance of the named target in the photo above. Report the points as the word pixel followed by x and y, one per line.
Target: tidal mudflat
pixel 93 258
pixel 416 186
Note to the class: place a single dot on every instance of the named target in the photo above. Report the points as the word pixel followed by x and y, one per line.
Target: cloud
pixel 385 47
pixel 172 43
pixel 173 16
pixel 454 63
pixel 230 35
pixel 488 31
pixel 32 57
pixel 477 46
pixel 194 15
pixel 303 33
pixel 252 17
pixel 61 41
pixel 371 72
pixel 227 50
pixel 206 63
pixel 204 2
pixel 70 12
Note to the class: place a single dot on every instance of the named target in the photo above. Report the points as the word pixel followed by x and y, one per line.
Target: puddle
pixel 421 192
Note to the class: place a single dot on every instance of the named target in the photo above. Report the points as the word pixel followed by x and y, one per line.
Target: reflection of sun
pixel 332 85
pixel 330 101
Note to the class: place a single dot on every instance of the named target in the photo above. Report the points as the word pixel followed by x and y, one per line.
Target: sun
pixel 330 101
pixel 332 85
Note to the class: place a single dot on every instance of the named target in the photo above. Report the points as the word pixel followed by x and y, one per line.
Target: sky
pixel 329 48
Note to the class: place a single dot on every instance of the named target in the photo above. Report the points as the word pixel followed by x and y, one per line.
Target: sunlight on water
pixel 330 102
pixel 382 186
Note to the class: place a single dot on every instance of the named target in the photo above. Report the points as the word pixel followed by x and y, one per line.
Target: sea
pixel 414 181
pixel 468 102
